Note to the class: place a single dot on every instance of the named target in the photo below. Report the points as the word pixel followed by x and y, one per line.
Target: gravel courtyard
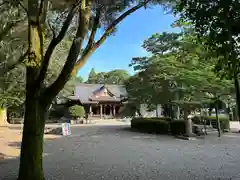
pixel 116 153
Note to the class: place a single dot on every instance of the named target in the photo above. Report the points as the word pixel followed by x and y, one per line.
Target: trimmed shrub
pixel 150 125
pixel 177 127
pixel 77 111
pixel 168 119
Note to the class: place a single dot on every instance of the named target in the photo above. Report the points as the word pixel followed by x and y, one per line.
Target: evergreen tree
pixel 92 76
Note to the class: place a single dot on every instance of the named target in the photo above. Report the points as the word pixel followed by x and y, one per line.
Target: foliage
pixel 92 77
pixel 117 76
pixel 157 126
pixel 218 21
pixel 178 127
pixel 12 88
pixel 176 70
pixel 77 111
pixel 12 48
pixel 128 110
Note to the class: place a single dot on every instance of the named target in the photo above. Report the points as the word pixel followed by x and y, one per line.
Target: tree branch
pixel 88 51
pixel 94 28
pixel 51 28
pixel 55 41
pixel 83 22
pixel 8 27
pixel 23 7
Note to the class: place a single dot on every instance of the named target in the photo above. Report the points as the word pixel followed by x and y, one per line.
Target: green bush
pixel 168 119
pixel 177 127
pixel 77 111
pixel 224 121
pixel 150 125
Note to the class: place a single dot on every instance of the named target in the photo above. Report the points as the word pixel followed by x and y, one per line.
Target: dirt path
pixel 10 142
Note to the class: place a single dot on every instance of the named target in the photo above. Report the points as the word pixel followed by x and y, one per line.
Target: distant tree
pixel 117 76
pixel 92 77
pixel 77 111
pixel 78 79
pixel 176 71
pixel 100 78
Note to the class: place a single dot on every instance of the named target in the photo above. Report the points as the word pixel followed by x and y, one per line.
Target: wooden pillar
pixel 114 110
pixel 110 109
pixel 101 111
pixel 90 110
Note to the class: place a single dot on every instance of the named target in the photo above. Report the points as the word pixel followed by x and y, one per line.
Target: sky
pixel 118 50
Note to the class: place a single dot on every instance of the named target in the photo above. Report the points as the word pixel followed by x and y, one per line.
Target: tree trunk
pixel 157 110
pixel 209 111
pixel 35 107
pixel 178 112
pixel 236 83
pixel 32 141
pixel 218 122
pixel 3 117
pixel 177 107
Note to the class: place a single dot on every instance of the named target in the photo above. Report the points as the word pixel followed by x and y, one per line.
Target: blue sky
pixel 118 50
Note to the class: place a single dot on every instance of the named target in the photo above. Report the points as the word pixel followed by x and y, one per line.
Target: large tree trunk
pixel 35 107
pixel 32 141
pixel 236 83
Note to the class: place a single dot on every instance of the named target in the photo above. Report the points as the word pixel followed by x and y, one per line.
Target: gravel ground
pixel 116 153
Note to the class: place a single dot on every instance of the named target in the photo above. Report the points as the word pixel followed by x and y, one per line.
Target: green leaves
pixel 117 76
pixel 219 21
pixel 180 67
pixel 77 111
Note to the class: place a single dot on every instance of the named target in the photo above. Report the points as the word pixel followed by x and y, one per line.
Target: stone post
pixel 101 110
pixel 188 123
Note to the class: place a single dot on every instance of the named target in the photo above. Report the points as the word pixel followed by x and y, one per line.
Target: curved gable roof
pixel 85 91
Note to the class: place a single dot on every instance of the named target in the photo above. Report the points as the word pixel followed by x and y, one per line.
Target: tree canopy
pixel 117 76
pixel 176 70
pixel 218 21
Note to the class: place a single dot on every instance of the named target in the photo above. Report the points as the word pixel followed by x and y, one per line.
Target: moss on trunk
pixel 32 142
pixel 35 109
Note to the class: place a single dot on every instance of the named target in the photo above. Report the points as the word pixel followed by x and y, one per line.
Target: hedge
pixel 224 121
pixel 168 119
pixel 77 111
pixel 163 125
pixel 150 125
pixel 178 127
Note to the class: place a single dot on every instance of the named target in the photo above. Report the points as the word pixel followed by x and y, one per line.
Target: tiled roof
pixel 106 98
pixel 85 91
